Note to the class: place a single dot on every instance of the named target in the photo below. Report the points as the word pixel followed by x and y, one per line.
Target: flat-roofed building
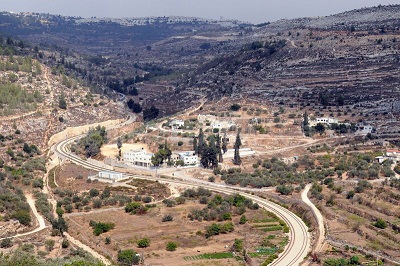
pixel 137 157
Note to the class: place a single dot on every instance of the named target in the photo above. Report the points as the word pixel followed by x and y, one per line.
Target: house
pixel 380 159
pixel 189 157
pixel 393 154
pixel 137 157
pixel 110 175
pixel 364 129
pixel 176 123
pixel 222 125
pixel 324 121
pixel 204 118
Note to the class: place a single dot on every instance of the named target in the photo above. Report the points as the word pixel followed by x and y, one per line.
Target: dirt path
pixel 39 218
pixel 187 113
pixel 320 219
pixel 87 248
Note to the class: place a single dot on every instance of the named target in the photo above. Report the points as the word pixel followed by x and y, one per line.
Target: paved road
pixel 299 240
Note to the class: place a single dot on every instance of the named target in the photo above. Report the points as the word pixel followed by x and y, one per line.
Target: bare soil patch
pixel 189 235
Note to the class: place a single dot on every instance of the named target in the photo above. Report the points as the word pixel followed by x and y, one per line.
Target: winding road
pixel 318 215
pixel 39 218
pixel 299 239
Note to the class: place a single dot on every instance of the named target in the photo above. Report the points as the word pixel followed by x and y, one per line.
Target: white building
pixel 137 157
pixel 189 158
pixel 222 124
pixel 205 118
pixel 380 159
pixel 393 155
pixel 176 123
pixel 110 175
pixel 324 121
pixel 364 129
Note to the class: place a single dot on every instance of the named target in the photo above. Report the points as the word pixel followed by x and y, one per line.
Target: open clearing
pixel 262 235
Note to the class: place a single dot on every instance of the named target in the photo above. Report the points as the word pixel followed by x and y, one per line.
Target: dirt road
pixel 39 218
pixel 319 217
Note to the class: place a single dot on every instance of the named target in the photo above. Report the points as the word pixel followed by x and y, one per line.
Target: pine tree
pixel 238 143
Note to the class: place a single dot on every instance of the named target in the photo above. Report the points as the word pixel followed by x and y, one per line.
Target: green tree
pixel 143 243
pixel 218 147
pixel 151 113
pixel 22 216
pixel 320 128
pixel 171 246
pixel 6 243
pixel 243 219
pixel 238 245
pixel 209 156
pixel 200 142
pixel 62 103
pixel 225 143
pixel 238 143
pixel 119 146
pixel 380 223
pixel 127 257
pixel 235 107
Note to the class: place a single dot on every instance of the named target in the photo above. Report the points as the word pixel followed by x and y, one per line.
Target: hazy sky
pixel 254 11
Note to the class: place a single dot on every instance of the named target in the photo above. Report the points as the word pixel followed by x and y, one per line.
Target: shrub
pixel 180 143
pixel 133 207
pixel 235 107
pixel 6 243
pixel 243 219
pixel 380 223
pixel 171 246
pixel 284 190
pixel 49 244
pixel 143 243
pixel 99 227
pixel 22 216
pixel 127 257
pixel 94 192
pixel 65 243
pixel 167 218
pixel 238 245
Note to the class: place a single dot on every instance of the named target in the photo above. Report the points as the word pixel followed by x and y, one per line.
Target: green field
pixel 212 256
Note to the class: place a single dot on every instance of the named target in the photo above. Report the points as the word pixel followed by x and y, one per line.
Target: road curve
pixel 320 219
pixel 299 240
pixel 39 218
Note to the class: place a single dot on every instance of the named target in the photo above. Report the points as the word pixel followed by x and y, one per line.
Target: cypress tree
pixel 218 147
pixel 225 143
pixel 195 147
pixel 200 142
pixel 238 143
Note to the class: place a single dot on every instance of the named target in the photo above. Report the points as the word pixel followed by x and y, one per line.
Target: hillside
pixel 341 57
pixel 37 101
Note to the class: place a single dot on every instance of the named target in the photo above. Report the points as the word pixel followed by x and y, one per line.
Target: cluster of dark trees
pixel 163 154
pixel 150 113
pixel 93 141
pixel 211 152
pixel 135 107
